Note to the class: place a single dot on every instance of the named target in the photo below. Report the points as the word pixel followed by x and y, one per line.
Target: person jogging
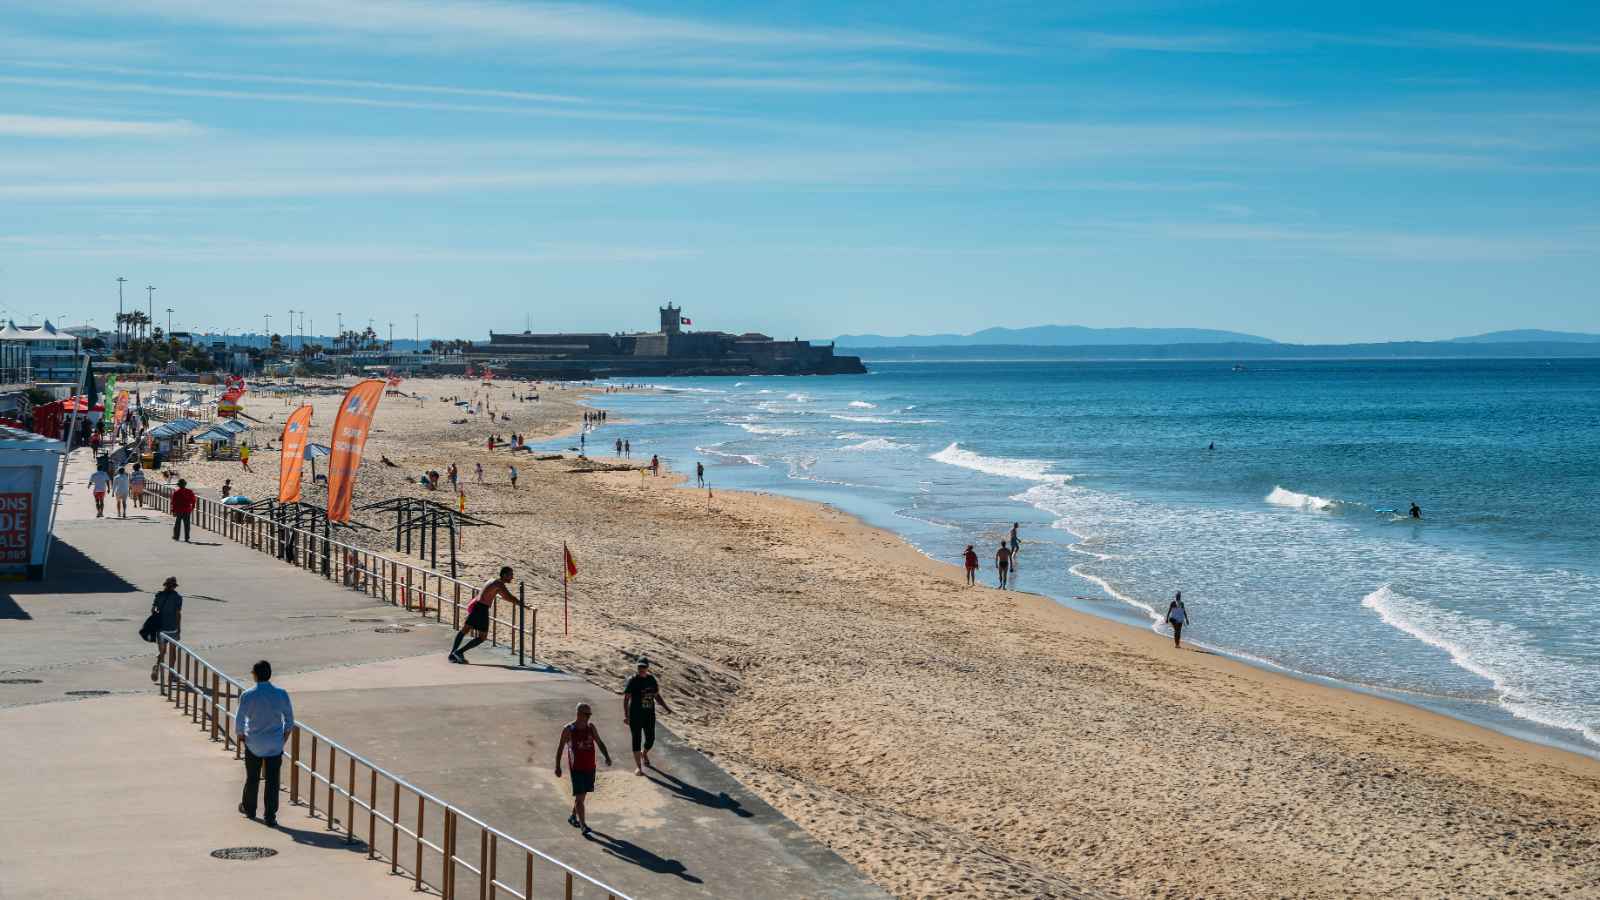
pixel 266 719
pixel 99 482
pixel 1002 563
pixel 640 697
pixel 578 740
pixel 168 610
pixel 478 612
pixel 1177 617
pixel 970 558
pixel 119 490
pixel 136 486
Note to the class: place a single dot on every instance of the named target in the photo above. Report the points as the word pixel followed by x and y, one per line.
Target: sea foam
pixel 876 444
pixel 1025 469
pixel 1296 500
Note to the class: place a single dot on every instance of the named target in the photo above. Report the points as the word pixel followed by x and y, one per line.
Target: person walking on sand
pixel 136 486
pixel 579 739
pixel 478 612
pixel 99 482
pixel 244 456
pixel 455 476
pixel 700 474
pixel 168 610
pixel 627 448
pixel 227 488
pixel 513 477
pixel 1177 617
pixel 619 446
pixel 970 557
pixel 640 697
pixel 480 473
pixel 1002 563
pixel 119 490
pixel 655 464
pixel 182 508
pixel 266 719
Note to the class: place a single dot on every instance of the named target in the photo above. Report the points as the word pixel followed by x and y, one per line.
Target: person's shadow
pixel 639 856
pixel 693 794
pixel 322 840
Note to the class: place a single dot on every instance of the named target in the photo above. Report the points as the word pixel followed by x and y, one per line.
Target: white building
pixel 39 354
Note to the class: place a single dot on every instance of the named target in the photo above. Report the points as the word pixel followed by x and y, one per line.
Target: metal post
pixel 485 864
pixel 312 784
pixel 372 813
pixel 394 834
pixel 294 767
pixel 350 801
pixel 420 810
pixel 522 623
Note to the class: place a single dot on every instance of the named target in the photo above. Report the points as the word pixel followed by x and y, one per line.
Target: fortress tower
pixel 671 318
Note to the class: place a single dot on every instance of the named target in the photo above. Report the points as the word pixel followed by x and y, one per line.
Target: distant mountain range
pixel 1128 341
pixel 1523 335
pixel 1055 336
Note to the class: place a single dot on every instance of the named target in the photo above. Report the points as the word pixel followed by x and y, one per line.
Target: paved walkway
pixel 481 736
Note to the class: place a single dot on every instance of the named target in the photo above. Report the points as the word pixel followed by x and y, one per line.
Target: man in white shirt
pixel 120 486
pixel 98 482
pixel 265 720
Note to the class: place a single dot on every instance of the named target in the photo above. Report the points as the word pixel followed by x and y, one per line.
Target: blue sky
pixel 1305 171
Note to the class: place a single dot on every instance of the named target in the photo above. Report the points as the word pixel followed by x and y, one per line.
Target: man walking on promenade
pixel 136 484
pixel 98 483
pixel 265 717
pixel 119 490
pixel 478 614
pixel 182 508
pixel 168 608
pixel 579 740
pixel 639 699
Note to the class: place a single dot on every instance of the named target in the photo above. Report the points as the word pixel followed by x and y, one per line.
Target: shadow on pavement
pixel 639 856
pixel 322 840
pixel 687 791
pixel 69 572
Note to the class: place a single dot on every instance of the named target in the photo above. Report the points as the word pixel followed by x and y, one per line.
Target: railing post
pixel 522 624
pixel 312 784
pixel 527 875
pixel 488 853
pixel 420 811
pixel 213 705
pixel 569 886
pixel 372 812
pixel 294 767
pixel 333 783
pixel 394 833
pixel 408 587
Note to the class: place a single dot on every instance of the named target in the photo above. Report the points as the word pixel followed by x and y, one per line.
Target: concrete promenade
pixel 119 781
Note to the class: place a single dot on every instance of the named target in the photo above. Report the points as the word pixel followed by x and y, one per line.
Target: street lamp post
pixel 120 280
pixel 150 301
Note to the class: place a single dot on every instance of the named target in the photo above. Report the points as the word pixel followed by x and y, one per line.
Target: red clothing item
pixel 972 559
pixel 182 501
pixel 580 747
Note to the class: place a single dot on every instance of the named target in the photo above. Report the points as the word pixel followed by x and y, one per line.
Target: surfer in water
pixel 1177 617
pixel 1416 511
pixel 1213 446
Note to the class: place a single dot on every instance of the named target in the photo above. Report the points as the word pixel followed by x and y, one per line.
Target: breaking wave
pixel 1025 469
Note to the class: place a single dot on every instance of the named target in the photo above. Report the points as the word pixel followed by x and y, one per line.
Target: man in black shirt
pixel 639 700
pixel 169 606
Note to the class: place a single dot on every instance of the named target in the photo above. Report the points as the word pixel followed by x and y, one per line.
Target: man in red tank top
pixel 579 740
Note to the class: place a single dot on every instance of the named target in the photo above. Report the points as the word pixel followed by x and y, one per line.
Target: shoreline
pixel 986 743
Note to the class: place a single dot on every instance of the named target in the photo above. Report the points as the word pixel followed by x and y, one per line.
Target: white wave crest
pixel 862 404
pixel 1528 683
pixel 1296 500
pixel 873 420
pixel 742 457
pixel 850 436
pixel 876 444
pixel 685 390
pixel 798 398
pixel 1025 469
pixel 768 429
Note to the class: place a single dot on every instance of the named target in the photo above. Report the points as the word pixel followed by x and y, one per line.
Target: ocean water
pixel 1282 539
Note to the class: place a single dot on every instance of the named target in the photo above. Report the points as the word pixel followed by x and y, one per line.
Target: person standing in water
pixel 1002 563
pixel 970 558
pixel 1416 511
pixel 1177 617
pixel 1016 544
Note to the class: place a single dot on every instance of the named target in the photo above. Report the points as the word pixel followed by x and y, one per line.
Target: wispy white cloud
pixel 800 84
pixel 1180 42
pixel 206 248
pixel 1358 243
pixel 74 128
pixel 450 24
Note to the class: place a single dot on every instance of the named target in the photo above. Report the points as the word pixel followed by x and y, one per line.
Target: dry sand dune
pixel 964 742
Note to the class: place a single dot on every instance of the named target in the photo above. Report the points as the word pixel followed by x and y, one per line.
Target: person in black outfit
pixel 639 700
pixel 169 606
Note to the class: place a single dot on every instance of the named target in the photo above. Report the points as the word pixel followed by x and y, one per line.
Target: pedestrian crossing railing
pixel 434 843
pixel 415 588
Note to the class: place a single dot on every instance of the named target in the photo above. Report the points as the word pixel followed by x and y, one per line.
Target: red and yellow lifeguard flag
pixel 570 565
pixel 295 432
pixel 350 429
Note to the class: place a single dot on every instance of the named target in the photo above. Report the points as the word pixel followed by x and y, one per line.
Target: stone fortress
pixel 667 351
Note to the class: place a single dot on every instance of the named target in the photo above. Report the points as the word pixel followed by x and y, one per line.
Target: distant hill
pixel 1055 336
pixel 1239 351
pixel 1524 335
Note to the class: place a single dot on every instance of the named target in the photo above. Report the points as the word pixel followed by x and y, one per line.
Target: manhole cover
pixel 393 629
pixel 20 681
pixel 244 853
pixel 86 693
pixel 368 620
pixel 83 612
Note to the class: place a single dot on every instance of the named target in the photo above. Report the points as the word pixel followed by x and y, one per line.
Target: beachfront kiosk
pixel 29 467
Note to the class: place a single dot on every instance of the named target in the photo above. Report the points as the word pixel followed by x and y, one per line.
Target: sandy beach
pixel 954 741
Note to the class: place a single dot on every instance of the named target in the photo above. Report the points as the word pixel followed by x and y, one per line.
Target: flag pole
pixel 566 628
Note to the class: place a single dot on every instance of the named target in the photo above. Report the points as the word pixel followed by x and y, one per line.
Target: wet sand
pixel 955 741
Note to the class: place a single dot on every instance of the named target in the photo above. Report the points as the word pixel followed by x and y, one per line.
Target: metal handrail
pixel 208 695
pixel 398 582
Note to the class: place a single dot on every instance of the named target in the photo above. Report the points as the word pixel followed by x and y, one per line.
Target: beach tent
pixel 166 431
pixel 314 452
pixel 215 435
